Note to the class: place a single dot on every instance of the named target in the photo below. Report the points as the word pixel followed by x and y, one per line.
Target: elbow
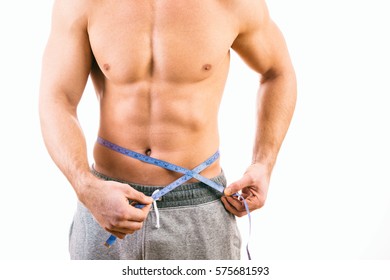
pixel 53 106
pixel 282 82
pixel 55 100
pixel 42 106
pixel 286 72
pixel 46 110
pixel 46 106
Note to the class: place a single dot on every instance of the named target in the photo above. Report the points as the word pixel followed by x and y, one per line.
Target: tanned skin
pixel 159 69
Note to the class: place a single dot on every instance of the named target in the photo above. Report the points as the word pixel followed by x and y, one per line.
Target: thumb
pixel 139 197
pixel 238 185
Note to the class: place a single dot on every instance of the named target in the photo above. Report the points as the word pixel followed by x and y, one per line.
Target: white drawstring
pixel 156 210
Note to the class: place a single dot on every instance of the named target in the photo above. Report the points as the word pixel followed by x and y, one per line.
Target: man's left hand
pixel 254 188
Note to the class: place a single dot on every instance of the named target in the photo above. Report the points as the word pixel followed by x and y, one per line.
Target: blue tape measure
pixel 188 174
pixel 170 166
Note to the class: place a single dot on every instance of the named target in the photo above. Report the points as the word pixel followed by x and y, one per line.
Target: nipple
pixel 148 152
pixel 207 67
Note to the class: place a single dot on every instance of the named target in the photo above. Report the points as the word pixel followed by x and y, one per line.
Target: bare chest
pixel 171 40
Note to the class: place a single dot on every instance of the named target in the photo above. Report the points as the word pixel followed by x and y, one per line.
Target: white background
pixel 330 190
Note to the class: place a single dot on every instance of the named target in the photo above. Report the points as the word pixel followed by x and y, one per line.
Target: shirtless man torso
pixel 159 70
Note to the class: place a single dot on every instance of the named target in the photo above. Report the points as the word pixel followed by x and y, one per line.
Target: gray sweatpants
pixel 194 225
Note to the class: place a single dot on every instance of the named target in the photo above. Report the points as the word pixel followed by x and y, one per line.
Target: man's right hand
pixel 108 201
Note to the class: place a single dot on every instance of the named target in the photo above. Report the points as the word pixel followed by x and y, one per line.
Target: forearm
pixel 65 141
pixel 275 107
pixel 66 144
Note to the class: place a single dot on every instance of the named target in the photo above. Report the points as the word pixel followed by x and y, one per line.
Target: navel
pixel 207 67
pixel 148 152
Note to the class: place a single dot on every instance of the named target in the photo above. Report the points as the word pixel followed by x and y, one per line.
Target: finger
pixel 246 193
pixel 134 214
pixel 252 201
pixel 127 227
pixel 146 209
pixel 238 185
pixel 137 196
pixel 255 202
pixel 231 208
pixel 236 203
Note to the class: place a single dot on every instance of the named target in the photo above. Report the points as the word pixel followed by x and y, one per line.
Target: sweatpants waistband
pixel 184 195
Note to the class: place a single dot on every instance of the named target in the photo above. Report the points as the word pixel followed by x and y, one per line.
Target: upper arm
pixel 259 42
pixel 67 58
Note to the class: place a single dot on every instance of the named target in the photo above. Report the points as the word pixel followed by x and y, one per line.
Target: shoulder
pixel 249 14
pixel 71 13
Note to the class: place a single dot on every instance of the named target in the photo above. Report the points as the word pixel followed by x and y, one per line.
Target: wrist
pixel 83 183
pixel 265 163
pixel 260 169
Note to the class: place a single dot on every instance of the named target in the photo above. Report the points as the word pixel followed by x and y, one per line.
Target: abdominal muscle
pixel 174 122
pixel 159 72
